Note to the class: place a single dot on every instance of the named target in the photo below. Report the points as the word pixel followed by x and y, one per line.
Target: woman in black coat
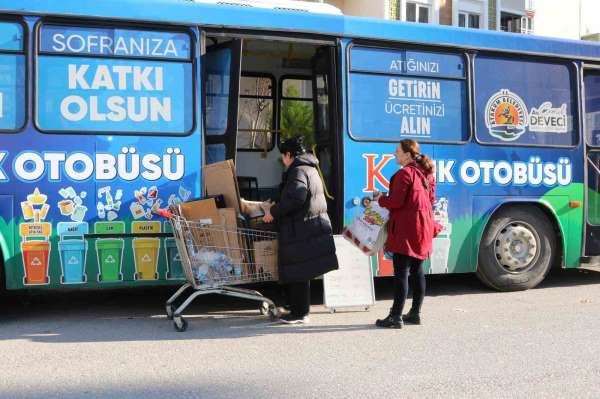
pixel 306 247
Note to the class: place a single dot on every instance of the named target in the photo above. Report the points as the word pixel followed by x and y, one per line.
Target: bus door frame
pixel 334 140
pixel 229 137
pixel 335 96
pixel 591 234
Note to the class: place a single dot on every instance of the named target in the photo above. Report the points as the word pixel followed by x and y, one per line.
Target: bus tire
pixel 517 249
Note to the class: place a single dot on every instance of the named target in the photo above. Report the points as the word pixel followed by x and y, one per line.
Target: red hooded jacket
pixel 410 226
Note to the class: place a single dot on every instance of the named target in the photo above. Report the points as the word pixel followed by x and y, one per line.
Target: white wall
pixel 590 17
pixel 555 18
pixel 364 8
pixel 337 3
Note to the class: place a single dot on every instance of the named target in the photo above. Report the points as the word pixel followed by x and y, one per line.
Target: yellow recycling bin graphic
pixel 145 250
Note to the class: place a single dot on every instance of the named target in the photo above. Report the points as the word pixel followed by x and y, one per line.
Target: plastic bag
pixel 211 265
pixel 369 231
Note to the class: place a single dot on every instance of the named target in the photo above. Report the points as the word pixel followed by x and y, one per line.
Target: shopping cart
pixel 215 258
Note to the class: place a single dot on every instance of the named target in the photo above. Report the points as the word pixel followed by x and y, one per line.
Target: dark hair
pixel 293 146
pixel 412 147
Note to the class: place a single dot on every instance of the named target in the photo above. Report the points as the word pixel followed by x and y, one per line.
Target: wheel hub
pixel 516 247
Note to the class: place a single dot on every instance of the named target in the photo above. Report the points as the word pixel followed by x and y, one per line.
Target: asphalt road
pixel 542 343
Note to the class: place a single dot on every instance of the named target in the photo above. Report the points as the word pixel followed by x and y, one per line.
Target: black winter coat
pixel 306 247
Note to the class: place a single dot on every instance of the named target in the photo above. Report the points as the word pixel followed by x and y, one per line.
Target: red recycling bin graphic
pixel 36 253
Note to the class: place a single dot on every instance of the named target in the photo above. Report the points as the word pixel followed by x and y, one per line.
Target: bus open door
pixel 221 85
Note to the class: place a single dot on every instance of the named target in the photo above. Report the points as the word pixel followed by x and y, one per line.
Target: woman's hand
pixel 268 218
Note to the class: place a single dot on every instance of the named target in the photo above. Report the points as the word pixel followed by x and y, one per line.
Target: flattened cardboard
pixel 219 178
pixel 230 239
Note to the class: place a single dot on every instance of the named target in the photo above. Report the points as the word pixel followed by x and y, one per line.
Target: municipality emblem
pixel 506 115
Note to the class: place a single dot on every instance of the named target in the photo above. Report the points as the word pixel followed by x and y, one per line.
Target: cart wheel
pixel 169 312
pixel 180 324
pixel 264 308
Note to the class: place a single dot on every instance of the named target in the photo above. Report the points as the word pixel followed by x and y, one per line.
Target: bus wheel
pixel 517 249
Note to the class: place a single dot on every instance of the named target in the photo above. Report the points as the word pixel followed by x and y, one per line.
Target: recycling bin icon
pixel 110 251
pixel 146 250
pixel 36 255
pixel 72 248
pixel 35 249
pixel 174 268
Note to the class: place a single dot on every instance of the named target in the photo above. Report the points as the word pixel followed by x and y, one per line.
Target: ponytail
pixel 412 147
pixel 426 163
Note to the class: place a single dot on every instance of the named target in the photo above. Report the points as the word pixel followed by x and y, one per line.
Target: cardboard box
pixel 204 211
pixel 220 232
pixel 201 210
pixel 219 178
pixel 265 259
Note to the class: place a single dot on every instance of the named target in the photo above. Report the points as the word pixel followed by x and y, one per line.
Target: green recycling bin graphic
pixel 110 251
pixel 174 269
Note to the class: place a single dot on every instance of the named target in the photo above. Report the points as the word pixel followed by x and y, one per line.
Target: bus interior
pixel 275 89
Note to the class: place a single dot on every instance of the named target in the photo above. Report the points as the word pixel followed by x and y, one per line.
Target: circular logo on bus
pixel 506 115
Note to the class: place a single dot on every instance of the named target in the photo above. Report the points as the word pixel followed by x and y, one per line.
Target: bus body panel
pixel 6 228
pixel 60 186
pixel 469 209
pixel 465 177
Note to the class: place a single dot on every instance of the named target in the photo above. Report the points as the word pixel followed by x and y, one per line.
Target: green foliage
pixel 297 118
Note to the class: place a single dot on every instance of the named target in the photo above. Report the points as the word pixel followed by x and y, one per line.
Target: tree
pixel 255 114
pixel 297 118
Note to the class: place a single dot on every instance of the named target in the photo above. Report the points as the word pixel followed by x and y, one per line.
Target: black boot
pixel 412 317
pixel 390 322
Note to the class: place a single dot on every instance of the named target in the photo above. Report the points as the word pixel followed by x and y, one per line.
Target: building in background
pixel 508 15
pixel 573 19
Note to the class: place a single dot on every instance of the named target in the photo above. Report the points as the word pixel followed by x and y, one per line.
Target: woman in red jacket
pixel 410 229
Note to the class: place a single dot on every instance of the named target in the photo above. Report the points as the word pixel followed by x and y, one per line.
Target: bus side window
pixel 12 77
pixel 397 94
pixel 113 80
pixel 296 116
pixel 522 101
pixel 256 113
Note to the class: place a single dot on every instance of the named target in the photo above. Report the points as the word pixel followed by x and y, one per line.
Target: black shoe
pixel 284 310
pixel 390 322
pixel 412 318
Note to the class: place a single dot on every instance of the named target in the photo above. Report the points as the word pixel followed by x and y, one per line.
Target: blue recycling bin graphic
pixel 73 249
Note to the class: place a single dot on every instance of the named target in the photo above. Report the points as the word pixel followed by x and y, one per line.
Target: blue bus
pixel 109 110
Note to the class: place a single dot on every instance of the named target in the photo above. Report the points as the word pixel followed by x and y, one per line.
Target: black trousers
pixel 299 298
pixel 403 264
